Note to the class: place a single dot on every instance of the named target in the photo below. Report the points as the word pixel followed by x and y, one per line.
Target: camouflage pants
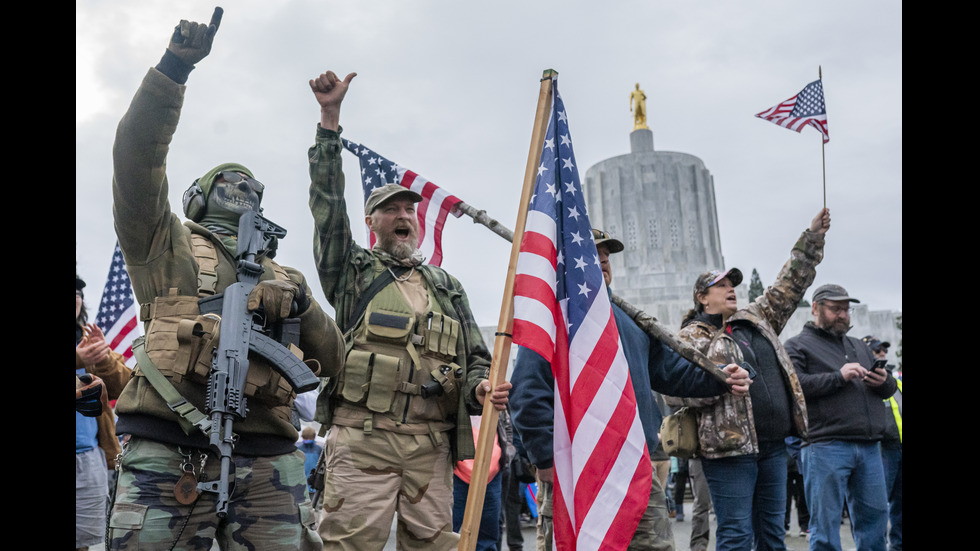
pixel 269 507
pixel 370 477
pixel 654 532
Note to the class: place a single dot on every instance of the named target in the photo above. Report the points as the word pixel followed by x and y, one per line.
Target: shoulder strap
pixel 380 282
pixel 189 416
pixel 206 256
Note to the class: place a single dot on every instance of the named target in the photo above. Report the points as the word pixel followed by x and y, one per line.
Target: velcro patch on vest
pixel 388 320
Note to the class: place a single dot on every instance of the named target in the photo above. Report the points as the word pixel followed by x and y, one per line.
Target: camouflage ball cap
pixel 708 279
pixel 600 237
pixel 831 291
pixel 385 192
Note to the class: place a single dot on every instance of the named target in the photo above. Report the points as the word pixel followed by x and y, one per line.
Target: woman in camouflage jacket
pixel 742 439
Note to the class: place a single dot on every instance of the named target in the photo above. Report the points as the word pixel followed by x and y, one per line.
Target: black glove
pixel 191 41
pixel 88 395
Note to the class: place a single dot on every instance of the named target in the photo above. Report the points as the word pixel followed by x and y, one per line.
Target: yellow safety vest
pixel 897 409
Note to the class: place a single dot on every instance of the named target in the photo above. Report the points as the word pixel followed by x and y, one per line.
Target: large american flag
pixel 805 108
pixel 436 204
pixel 562 311
pixel 118 316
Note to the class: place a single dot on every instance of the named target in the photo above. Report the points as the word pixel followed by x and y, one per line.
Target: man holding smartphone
pixel 842 452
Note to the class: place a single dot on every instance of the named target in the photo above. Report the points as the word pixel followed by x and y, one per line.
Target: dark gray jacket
pixel 838 409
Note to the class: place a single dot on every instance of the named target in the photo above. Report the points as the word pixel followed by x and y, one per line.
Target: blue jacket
pixel 652 365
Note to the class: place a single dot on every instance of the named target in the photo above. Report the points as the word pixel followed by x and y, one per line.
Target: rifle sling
pixel 189 416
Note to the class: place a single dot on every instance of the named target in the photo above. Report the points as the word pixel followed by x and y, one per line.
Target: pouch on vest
pixel 165 314
pixel 389 327
pixel 356 375
pixel 449 377
pixel 196 338
pixel 370 379
pixel 384 379
pixel 445 377
pixel 441 333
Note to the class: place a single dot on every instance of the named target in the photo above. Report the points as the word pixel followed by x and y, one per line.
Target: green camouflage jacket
pixel 346 270
pixel 726 423
pixel 159 258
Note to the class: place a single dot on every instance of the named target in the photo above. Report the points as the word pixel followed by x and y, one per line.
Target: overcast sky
pixel 448 89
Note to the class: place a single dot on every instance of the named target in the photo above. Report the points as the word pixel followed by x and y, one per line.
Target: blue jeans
pixel 892 460
pixel 749 496
pixel 486 539
pixel 837 470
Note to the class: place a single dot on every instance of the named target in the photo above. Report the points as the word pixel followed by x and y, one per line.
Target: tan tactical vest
pixel 180 340
pixel 400 374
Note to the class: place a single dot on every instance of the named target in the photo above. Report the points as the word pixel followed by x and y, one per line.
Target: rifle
pixel 241 332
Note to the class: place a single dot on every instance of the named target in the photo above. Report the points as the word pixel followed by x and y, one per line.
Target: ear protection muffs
pixel 195 203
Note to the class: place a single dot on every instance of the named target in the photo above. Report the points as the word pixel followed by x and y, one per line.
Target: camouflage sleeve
pixel 332 240
pixel 141 209
pixel 781 299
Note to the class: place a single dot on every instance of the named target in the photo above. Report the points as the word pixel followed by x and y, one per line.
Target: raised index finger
pixel 216 19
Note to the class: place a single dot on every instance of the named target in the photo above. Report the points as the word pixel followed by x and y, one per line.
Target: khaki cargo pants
pixel 370 477
pixel 654 533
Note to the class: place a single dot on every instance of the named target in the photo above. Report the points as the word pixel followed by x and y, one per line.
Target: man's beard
pixel 399 250
pixel 838 327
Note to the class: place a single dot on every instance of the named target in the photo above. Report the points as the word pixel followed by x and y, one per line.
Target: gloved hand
pixel 191 41
pixel 276 297
pixel 88 395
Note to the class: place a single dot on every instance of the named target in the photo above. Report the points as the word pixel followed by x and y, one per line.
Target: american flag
pixel 117 316
pixel 562 311
pixel 805 108
pixel 377 171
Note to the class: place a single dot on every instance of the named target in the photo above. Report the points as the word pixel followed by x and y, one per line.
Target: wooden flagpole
pixel 501 347
pixel 823 153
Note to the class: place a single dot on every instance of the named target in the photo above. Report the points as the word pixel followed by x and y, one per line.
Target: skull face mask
pixel 235 192
pixel 231 191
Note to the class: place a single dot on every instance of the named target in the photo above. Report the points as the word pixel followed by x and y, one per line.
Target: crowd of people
pixel 404 377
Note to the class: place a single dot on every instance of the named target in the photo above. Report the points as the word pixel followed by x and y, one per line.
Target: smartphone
pixel 879 364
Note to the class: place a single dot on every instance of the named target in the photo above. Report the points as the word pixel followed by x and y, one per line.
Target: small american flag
pixel 562 311
pixel 805 108
pixel 117 317
pixel 436 204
